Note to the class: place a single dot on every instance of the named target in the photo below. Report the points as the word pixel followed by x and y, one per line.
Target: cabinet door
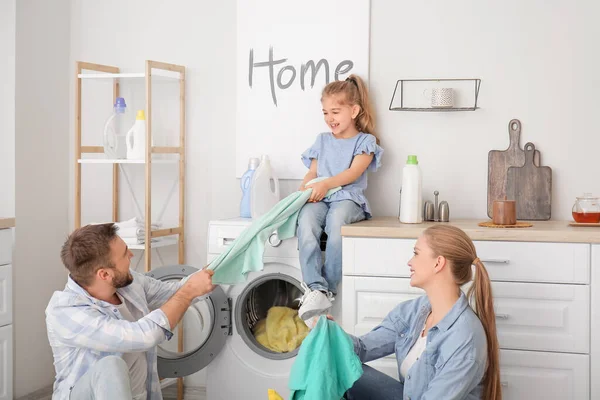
pixel 595 323
pixel 6 240
pixel 367 300
pixel 5 295
pixel 530 375
pixel 6 363
pixel 377 257
pixel 505 261
pixel 545 317
pixel 535 261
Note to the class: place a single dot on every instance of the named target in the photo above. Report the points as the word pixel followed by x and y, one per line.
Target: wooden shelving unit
pixel 158 71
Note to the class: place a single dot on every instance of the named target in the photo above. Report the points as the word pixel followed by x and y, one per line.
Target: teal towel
pixel 326 365
pixel 245 254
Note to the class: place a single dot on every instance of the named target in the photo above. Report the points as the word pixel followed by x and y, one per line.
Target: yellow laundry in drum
pixel 282 331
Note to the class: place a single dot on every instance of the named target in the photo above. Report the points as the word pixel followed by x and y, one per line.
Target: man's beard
pixel 122 280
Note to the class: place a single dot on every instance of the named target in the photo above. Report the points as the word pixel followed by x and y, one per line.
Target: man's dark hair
pixel 87 249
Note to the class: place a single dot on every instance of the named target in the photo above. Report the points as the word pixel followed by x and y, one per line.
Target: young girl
pixel 343 156
pixel 444 348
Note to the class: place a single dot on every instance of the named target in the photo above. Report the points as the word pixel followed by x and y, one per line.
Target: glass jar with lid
pixel 587 209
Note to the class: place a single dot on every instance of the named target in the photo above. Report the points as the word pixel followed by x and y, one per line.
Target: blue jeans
pixel 313 218
pixel 375 385
pixel 107 379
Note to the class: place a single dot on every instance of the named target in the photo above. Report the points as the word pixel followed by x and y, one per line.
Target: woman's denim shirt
pixel 454 361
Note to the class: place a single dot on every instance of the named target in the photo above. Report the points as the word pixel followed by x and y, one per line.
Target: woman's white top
pixel 413 354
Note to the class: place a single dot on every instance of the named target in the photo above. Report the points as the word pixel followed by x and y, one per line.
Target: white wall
pixel 42 176
pixel 7 108
pixel 538 62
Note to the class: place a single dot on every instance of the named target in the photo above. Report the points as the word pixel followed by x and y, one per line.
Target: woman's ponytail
pixel 481 294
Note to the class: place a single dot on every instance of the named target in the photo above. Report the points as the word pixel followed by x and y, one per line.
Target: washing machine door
pixel 200 335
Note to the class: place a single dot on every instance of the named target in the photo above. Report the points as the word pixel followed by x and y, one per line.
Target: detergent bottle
pixel 411 199
pixel 114 131
pixel 246 184
pixel 264 190
pixel 136 138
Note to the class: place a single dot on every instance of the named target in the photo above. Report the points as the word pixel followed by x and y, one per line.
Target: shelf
pixel 123 161
pixel 134 75
pixel 159 243
pixel 401 82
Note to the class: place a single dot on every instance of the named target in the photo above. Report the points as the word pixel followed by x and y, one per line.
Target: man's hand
pixel 319 191
pixel 199 283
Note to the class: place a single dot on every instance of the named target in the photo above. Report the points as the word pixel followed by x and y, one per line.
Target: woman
pixel 445 349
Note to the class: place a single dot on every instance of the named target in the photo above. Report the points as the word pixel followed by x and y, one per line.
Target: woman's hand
pixel 319 191
pixel 330 317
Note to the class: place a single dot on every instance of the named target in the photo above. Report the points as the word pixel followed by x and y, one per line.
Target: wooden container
pixel 504 212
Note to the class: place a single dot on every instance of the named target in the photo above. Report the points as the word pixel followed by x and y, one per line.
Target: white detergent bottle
pixel 264 193
pixel 136 138
pixel 411 198
pixel 114 130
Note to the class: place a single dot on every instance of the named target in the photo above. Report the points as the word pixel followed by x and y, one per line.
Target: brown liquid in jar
pixel 593 217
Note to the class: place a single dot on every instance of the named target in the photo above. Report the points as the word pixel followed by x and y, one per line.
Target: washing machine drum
pixel 200 335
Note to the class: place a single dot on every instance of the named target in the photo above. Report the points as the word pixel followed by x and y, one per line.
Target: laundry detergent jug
pixel 411 200
pixel 115 129
pixel 246 185
pixel 136 138
pixel 264 191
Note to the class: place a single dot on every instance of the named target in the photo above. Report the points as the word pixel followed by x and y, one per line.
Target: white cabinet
pixel 6 362
pixel 5 294
pixel 544 376
pixel 595 324
pixel 545 317
pixel 536 262
pixel 6 328
pixel 5 246
pixel 543 299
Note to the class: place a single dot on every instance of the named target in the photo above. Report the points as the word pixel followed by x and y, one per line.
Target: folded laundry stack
pixel 132 231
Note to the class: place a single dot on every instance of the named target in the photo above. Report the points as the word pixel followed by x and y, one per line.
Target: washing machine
pixel 217 332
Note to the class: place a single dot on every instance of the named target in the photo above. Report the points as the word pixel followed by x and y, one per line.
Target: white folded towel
pixel 134 228
pixel 135 223
pixel 133 232
pixel 133 241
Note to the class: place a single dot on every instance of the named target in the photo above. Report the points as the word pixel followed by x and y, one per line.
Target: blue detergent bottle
pixel 245 184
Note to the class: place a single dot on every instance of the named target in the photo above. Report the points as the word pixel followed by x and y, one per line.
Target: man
pixel 105 325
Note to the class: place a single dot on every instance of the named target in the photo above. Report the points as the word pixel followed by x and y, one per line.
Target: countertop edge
pixel 541 231
pixel 6 223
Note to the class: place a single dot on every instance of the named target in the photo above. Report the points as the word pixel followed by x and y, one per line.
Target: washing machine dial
pixel 274 240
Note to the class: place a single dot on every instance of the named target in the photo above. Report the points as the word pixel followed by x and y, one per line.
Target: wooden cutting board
pixel 531 187
pixel 500 160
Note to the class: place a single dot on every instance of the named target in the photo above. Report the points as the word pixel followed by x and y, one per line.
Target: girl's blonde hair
pixel 459 250
pixel 355 93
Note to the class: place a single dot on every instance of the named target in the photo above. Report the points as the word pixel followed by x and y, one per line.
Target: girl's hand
pixel 319 191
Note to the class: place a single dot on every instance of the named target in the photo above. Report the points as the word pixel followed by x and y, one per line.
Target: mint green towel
pixel 326 365
pixel 245 254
